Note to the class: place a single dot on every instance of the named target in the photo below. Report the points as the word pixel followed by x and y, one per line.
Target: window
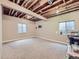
pixel 22 28
pixel 65 27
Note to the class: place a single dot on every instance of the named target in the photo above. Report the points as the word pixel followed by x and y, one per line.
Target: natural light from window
pixel 66 26
pixel 22 28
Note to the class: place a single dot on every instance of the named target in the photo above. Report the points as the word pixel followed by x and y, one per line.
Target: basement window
pixel 66 26
pixel 22 28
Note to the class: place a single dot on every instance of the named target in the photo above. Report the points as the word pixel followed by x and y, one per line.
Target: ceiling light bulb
pixel 50 1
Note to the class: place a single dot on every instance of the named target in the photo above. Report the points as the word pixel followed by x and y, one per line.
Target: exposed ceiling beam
pixel 74 4
pixel 24 2
pixel 17 2
pixel 29 2
pixel 21 15
pixel 28 5
pixel 11 9
pixel 49 5
pixel 32 4
pixel 24 16
pixel 44 5
pixel 22 6
pixel 61 5
pixel 12 12
pixel 39 6
pixel 64 11
pixel 21 9
pixel 18 13
pixel 35 5
pixel 52 6
pixel 68 3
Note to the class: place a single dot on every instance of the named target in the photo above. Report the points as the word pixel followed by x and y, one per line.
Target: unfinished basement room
pixel 39 29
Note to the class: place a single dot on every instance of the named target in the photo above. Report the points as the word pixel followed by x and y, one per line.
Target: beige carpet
pixel 33 49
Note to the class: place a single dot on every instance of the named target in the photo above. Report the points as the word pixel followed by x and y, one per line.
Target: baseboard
pixel 14 40
pixel 53 40
pixel 35 37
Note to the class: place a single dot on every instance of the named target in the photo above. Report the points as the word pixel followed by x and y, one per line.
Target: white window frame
pixel 66 29
pixel 21 28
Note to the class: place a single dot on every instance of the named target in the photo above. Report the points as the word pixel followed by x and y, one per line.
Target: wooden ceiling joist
pixel 21 4
pixel 13 12
pixel 39 6
pixel 50 12
pixel 55 2
pixel 36 8
pixel 61 5
pixel 11 5
pixel 22 15
pixel 42 6
pixel 63 12
pixel 15 1
pixel 25 1
pixel 60 2
pixel 29 2
pixel 43 12
pixel 18 14
pixel 10 12
pixel 35 1
pixel 35 5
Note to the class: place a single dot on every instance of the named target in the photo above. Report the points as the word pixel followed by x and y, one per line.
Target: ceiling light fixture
pixel 50 2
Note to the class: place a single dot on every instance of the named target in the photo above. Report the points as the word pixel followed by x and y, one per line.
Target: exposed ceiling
pixel 42 7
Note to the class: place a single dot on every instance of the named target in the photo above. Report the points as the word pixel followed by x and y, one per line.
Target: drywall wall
pixel 10 28
pixel 50 28
pixel 0 29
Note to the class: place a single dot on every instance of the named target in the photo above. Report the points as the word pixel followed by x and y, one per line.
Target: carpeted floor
pixel 33 48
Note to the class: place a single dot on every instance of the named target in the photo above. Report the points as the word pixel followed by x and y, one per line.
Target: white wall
pixel 50 27
pixel 10 28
